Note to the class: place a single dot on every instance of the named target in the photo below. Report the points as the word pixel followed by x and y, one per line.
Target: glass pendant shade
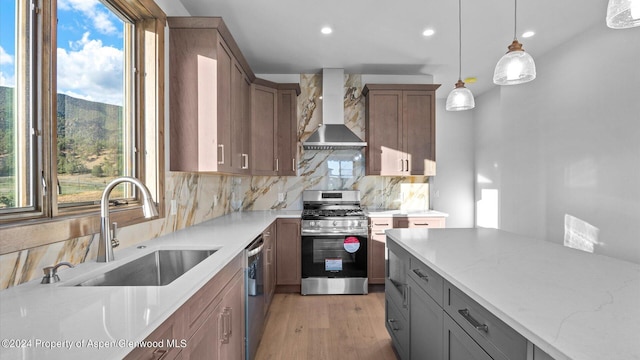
pixel 623 14
pixel 515 67
pixel 460 98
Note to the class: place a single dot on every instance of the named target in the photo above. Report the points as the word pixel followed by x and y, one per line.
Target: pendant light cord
pixel 515 20
pixel 459 40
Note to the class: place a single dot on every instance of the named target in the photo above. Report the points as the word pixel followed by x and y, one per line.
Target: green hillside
pixel 89 141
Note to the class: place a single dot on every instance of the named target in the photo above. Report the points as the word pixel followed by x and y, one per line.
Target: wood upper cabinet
pixel 274 128
pixel 240 120
pixel 209 98
pixel 288 129
pixel 400 129
pixel 288 252
pixel 264 127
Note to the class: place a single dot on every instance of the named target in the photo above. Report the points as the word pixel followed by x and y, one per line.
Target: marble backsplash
pixel 201 197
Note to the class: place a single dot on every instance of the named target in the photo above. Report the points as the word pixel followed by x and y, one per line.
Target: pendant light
pixel 460 98
pixel 623 14
pixel 516 66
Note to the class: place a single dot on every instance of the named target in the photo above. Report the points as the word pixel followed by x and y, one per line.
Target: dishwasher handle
pixel 255 248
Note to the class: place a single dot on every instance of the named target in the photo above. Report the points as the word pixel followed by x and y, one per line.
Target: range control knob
pixel 312 223
pixel 335 223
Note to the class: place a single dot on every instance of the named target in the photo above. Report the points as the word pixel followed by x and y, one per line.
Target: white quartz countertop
pixel 404 213
pixel 61 321
pixel 569 303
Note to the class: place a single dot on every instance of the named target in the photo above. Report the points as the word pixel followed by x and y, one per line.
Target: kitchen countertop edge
pixel 19 302
pixel 487 265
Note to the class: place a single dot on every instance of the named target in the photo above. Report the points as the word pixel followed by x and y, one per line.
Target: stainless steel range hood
pixel 333 134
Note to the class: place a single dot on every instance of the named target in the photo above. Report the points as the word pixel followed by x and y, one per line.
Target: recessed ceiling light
pixel 428 32
pixel 326 30
pixel 528 34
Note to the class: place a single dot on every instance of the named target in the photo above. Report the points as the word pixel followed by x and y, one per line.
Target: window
pixel 17 147
pixel 95 124
pixel 103 119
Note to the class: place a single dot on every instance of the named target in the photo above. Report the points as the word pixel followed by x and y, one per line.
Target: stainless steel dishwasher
pixel 254 282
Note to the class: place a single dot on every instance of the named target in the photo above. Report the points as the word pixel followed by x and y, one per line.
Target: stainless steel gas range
pixel 334 243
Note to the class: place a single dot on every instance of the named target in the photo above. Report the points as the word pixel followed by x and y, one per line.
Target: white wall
pixel 451 190
pixel 568 143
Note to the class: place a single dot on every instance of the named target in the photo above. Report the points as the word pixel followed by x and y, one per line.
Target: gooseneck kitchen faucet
pixel 105 246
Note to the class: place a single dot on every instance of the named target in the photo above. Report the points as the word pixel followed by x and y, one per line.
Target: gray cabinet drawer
pixel 497 338
pixel 397 326
pixel 399 295
pixel 458 345
pixel 425 339
pixel 427 279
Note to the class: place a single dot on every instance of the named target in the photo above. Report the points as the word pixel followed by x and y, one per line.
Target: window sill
pixel 28 234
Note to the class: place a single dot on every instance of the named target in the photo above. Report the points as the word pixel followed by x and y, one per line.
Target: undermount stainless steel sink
pixel 158 268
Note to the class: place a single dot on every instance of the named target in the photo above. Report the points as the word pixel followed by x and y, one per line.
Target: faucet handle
pixel 51 273
pixel 114 230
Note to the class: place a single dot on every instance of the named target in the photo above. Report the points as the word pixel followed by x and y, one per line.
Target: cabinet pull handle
pixel 422 276
pixel 221 158
pixel 391 323
pixel 421 224
pixel 159 354
pixel 224 325
pixel 277 165
pixel 378 224
pixel 475 323
pixel 293 163
pixel 245 165
pixel 227 326
pixel 221 337
pixel 378 233
pixel 407 164
pixel 401 165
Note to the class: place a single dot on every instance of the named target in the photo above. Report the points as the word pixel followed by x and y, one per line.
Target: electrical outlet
pixel 280 197
pixel 174 207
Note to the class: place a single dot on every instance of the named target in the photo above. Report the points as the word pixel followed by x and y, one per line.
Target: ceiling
pixel 385 37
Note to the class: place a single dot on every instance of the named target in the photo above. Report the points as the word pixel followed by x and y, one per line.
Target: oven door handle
pixel 312 233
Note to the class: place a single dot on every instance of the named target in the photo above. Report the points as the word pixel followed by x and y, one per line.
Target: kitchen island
pixel 568 303
pixel 64 321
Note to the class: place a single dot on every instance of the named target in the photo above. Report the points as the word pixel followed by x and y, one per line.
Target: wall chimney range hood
pixel 333 134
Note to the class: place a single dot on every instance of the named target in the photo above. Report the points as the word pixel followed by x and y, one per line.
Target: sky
pixel 90 50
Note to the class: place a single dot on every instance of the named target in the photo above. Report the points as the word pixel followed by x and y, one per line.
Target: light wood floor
pixel 326 327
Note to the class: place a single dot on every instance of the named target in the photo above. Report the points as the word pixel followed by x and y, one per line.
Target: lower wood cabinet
pixel 269 237
pixel 377 248
pixel 221 336
pixel 377 239
pixel 418 222
pixel 288 252
pixel 210 325
pixel 171 330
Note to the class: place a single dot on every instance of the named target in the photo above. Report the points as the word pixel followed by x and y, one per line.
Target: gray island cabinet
pixel 486 294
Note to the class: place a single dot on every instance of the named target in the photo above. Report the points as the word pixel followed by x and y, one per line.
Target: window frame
pixel 50 223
